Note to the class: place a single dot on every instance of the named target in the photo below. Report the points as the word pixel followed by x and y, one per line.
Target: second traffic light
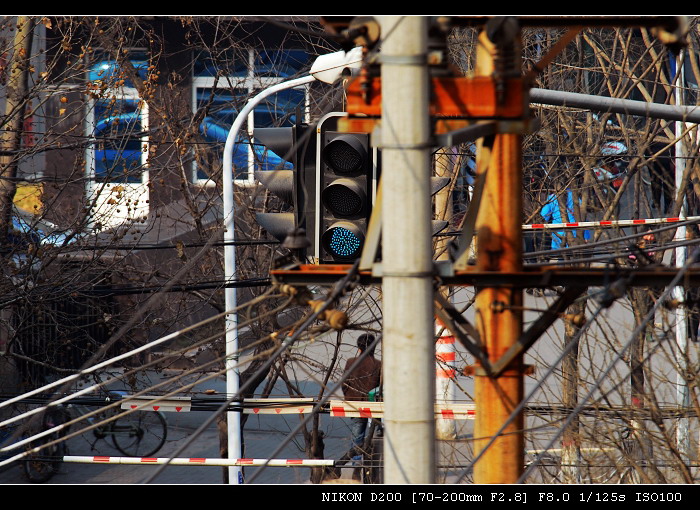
pixel 347 177
pixel 295 187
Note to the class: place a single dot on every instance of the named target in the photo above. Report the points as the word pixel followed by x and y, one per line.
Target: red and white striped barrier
pixel 147 461
pixel 298 405
pixel 362 409
pixel 148 403
pixel 609 223
pixel 444 354
pixel 252 405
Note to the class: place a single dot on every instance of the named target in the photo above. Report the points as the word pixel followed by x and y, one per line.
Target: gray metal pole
pixel 682 394
pixel 233 419
pixel 408 351
pixel 615 105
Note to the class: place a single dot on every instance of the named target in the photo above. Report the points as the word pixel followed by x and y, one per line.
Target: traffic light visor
pixel 344 197
pixel 345 155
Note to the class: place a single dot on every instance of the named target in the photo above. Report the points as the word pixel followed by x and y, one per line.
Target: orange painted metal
pixel 357 124
pixel 468 97
pixel 500 249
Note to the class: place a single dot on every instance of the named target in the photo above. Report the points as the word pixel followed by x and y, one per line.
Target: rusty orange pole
pixel 499 309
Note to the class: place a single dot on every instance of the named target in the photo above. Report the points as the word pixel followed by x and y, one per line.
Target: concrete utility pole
pixel 408 352
pixel 499 309
pixel 327 68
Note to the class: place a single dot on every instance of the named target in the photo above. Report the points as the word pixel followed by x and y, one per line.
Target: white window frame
pixel 99 192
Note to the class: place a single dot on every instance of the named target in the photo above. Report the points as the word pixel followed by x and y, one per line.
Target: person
pixel 641 248
pixel 551 212
pixel 360 381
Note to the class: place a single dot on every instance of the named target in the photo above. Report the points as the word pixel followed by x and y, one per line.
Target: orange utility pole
pixel 499 249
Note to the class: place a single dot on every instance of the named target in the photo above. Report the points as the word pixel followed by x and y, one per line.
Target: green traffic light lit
pixel 343 242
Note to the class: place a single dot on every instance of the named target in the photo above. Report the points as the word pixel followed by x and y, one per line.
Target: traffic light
pixel 296 187
pixel 347 180
pixel 350 169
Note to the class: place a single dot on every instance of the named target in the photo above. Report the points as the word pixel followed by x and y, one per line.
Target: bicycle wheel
pixel 41 466
pixel 139 434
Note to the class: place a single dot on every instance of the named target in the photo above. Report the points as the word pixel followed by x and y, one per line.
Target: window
pixel 223 97
pixel 117 125
pixel 120 140
pixel 117 156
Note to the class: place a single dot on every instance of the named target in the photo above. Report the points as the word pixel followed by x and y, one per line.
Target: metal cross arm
pixel 529 337
pixel 452 96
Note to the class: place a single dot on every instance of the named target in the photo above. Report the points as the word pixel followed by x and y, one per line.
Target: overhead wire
pixel 63 399
pixel 170 284
pixel 692 259
pixel 335 293
pixel 606 242
pixel 676 225
pixel 612 257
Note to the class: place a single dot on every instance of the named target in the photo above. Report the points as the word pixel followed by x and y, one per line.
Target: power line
pixel 337 291
pixel 618 355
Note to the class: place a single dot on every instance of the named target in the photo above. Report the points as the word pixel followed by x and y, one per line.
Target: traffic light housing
pixel 294 187
pixel 347 177
pixel 349 173
pixel 329 192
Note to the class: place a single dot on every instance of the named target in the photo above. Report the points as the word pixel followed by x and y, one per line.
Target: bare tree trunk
pixel 15 108
pixel 570 443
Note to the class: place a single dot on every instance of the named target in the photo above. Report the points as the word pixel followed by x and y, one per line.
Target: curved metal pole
pixel 233 419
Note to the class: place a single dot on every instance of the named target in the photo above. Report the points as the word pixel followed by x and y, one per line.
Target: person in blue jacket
pixel 551 212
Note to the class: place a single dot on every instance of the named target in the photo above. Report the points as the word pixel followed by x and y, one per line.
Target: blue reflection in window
pixel 276 63
pixel 223 106
pixel 108 71
pixel 281 63
pixel 224 65
pixel 118 144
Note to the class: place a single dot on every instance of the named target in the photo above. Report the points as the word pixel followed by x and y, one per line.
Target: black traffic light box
pixel 346 197
pixel 350 169
pixel 296 187
pixel 347 168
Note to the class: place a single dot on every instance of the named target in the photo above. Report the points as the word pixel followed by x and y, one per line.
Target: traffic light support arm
pixel 231 328
pixel 327 69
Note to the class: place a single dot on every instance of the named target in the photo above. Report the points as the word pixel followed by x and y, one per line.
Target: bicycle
pixel 134 434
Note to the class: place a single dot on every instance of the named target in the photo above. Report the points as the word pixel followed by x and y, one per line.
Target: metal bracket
pixel 483 129
pixel 529 337
pixel 466 134
pixel 469 337
pixel 374 233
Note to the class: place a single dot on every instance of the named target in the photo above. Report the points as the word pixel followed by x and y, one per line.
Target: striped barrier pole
pixel 364 409
pixel 444 374
pixel 608 223
pixel 196 461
